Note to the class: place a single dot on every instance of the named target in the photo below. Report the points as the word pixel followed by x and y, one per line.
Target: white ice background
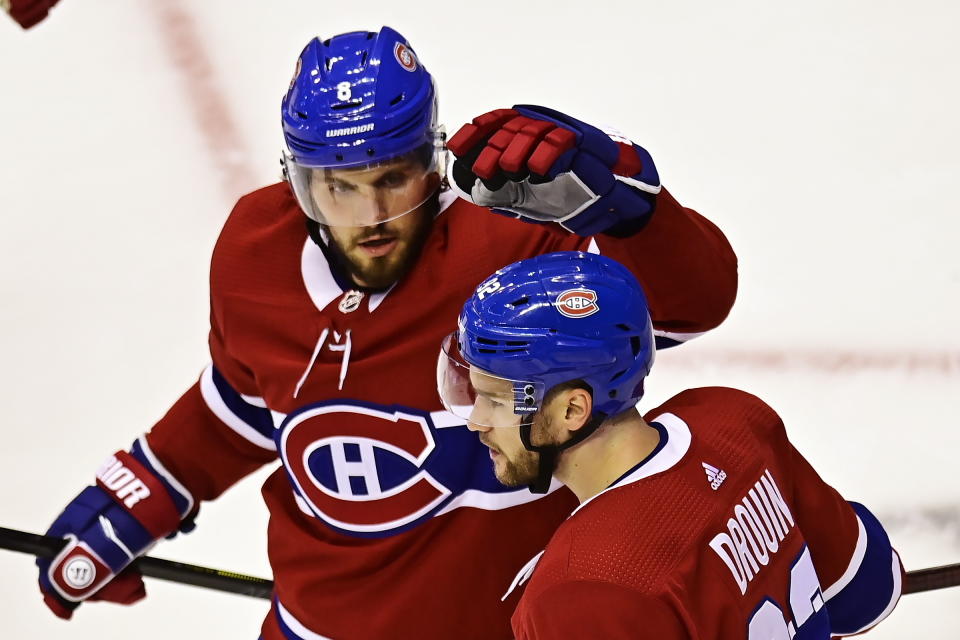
pixel 822 137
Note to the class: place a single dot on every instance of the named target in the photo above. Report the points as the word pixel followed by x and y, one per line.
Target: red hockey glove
pixel 28 12
pixel 107 526
pixel 544 166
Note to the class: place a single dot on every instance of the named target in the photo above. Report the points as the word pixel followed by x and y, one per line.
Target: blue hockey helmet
pixel 360 100
pixel 541 322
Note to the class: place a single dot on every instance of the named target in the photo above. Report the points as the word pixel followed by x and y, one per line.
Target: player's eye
pixel 338 187
pixel 392 180
pixel 493 403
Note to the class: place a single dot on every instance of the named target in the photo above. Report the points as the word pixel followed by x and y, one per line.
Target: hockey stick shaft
pixel 217 579
pixel 47 547
pixel 933 578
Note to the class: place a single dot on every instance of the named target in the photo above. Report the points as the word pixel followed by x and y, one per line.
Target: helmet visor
pixel 367 195
pixel 480 397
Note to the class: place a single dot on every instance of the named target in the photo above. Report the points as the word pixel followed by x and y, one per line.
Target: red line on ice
pixel 222 138
pixel 941 363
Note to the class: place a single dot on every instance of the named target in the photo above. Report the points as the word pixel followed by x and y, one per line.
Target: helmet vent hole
pixel 301 115
pixel 487 341
pixel 487 350
pixel 618 374
pixel 622 326
pixel 339 157
pixel 635 345
pixel 397 99
pixel 370 35
pixel 516 343
pixel 612 394
pixel 326 42
pixel 363 59
pixel 520 301
pixel 371 151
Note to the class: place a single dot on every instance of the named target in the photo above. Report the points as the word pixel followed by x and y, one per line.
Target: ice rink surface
pixel 822 137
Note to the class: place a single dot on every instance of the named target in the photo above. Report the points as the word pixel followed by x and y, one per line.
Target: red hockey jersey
pixel 386 519
pixel 725 532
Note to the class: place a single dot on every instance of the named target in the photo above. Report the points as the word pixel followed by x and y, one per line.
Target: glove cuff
pixel 139 492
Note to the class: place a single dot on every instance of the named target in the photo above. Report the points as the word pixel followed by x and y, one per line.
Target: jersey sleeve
pixel 859 571
pixel 593 609
pixel 220 430
pixel 686 267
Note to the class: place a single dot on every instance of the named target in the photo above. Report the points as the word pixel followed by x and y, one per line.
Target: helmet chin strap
pixel 549 453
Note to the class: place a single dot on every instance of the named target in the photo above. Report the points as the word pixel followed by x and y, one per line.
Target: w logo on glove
pixel 543 166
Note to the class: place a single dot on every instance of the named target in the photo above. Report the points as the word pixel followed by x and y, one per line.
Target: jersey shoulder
pixel 468 225
pixel 261 240
pixel 712 411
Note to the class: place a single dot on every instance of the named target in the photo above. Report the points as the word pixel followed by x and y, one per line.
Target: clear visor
pixel 479 397
pixel 370 194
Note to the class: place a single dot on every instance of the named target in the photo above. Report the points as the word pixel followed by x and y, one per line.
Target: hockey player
pixel 329 295
pixel 699 520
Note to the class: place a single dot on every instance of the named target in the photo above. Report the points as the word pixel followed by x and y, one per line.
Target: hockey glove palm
pixel 107 526
pixel 544 166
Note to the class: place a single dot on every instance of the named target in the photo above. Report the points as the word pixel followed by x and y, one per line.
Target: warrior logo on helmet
pixel 405 57
pixel 577 303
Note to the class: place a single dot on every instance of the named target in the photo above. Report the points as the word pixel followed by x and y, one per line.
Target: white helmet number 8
pixel 343 91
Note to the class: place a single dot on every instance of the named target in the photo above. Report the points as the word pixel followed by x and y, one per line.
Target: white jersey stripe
pixel 894 598
pixel 679 337
pixel 220 409
pixel 859 551
pixel 169 477
pixel 296 626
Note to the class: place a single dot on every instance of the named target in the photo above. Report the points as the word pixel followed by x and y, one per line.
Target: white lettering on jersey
pixel 122 482
pixel 760 522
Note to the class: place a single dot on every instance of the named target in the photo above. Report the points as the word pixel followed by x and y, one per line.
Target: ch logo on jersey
pixel 405 56
pixel 577 303
pixel 360 468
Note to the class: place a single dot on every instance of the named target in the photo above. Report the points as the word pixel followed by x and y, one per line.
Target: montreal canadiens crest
pixel 405 56
pixel 577 303
pixel 362 469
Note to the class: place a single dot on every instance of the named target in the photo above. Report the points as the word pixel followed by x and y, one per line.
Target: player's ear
pixel 578 407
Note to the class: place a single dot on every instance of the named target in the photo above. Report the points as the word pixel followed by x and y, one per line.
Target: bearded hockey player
pixel 329 294
pixel 699 520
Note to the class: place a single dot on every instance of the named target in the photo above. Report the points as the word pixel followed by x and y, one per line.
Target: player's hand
pixel 544 166
pixel 27 12
pixel 107 526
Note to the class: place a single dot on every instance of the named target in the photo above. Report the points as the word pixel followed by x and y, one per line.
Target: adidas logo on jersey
pixel 714 476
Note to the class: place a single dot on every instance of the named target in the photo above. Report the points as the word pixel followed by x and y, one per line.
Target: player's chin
pixel 382 271
pixel 510 476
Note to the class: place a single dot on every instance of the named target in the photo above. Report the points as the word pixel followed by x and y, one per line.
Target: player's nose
pixel 479 428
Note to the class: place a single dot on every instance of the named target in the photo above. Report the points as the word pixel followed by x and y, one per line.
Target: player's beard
pixel 518 471
pixel 522 466
pixel 410 231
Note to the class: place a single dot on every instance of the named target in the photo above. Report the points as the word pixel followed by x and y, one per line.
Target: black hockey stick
pixel 933 578
pixel 48 546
